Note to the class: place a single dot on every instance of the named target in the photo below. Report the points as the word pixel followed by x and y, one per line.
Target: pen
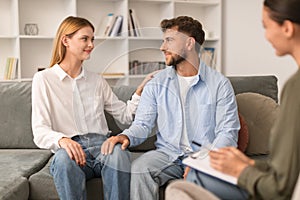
pixel 196 143
pixel 200 145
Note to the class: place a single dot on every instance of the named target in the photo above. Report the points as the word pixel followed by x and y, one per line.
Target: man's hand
pixel 108 146
pixel 74 150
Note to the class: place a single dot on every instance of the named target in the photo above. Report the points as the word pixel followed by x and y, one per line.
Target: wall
pixel 245 50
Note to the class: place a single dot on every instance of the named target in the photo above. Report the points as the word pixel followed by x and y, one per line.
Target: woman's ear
pixel 288 28
pixel 64 41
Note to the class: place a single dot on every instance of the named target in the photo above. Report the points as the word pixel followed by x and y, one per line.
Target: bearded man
pixel 189 102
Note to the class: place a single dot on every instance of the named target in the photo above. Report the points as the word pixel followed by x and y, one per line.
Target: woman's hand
pixel 229 160
pixel 186 172
pixel 74 150
pixel 149 76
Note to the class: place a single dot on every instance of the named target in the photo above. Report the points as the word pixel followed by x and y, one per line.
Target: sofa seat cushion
pixel 259 112
pixel 16 188
pixel 42 186
pixel 22 162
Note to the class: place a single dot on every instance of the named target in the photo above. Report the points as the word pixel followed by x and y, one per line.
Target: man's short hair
pixel 187 25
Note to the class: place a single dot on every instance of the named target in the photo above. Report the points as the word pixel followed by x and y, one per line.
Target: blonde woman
pixel 68 104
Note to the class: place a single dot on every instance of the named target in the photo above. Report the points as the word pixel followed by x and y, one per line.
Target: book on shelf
pixel 202 164
pixel 208 56
pixel 142 68
pixel 6 69
pixel 113 74
pixel 130 27
pixel 116 74
pixel 134 27
pixel 14 69
pixel 117 26
pixel 106 25
pixel 11 68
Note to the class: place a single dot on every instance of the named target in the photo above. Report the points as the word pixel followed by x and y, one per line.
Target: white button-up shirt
pixel 63 106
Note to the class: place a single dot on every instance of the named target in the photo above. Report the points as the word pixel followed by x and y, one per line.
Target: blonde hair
pixel 68 27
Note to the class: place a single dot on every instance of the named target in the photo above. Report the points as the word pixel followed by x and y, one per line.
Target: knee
pixel 189 191
pixel 61 157
pixel 139 166
pixel 174 191
pixel 119 155
pixel 62 162
pixel 119 159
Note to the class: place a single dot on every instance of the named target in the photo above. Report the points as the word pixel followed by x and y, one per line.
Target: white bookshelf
pixel 111 55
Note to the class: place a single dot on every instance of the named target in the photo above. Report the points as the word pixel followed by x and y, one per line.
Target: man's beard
pixel 175 60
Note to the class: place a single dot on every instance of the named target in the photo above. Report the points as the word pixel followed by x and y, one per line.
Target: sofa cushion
pixel 42 186
pixel 259 112
pixel 16 188
pixel 265 85
pixel 124 93
pixel 22 162
pixel 15 106
pixel 243 134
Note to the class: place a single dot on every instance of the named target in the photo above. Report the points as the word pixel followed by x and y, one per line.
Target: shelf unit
pixel 111 54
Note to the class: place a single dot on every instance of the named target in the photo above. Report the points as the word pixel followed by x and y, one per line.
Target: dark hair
pixel 187 25
pixel 281 10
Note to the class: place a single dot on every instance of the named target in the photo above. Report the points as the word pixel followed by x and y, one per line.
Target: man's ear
pixel 190 43
pixel 288 28
pixel 64 41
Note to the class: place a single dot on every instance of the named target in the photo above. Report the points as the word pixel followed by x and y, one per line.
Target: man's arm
pixel 227 120
pixel 141 127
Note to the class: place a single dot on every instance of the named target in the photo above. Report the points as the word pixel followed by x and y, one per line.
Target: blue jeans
pixel 220 188
pixel 70 179
pixel 150 171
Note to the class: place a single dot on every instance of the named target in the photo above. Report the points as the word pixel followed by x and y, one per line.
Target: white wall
pixel 245 50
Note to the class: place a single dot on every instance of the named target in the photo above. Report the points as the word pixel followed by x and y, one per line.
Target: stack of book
pixel 133 24
pixel 11 68
pixel 111 26
pixel 140 68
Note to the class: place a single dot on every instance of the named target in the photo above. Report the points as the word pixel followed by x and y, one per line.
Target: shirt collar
pixel 62 74
pixel 201 72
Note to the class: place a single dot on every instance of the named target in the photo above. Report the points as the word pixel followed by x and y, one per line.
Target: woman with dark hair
pixel 261 179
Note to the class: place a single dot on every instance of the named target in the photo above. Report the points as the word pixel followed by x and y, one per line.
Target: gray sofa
pixel 24 169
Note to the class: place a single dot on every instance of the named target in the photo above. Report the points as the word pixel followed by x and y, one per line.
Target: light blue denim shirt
pixel 211 112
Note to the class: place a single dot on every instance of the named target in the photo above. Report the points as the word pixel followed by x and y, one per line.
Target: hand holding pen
pixel 204 150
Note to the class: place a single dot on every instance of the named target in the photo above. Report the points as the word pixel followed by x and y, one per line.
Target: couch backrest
pixel 15 108
pixel 265 85
pixel 15 117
